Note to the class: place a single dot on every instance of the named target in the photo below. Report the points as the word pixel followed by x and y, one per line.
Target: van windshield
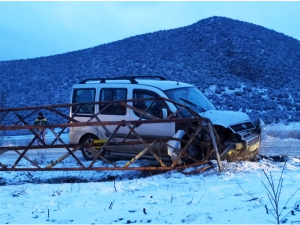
pixel 191 97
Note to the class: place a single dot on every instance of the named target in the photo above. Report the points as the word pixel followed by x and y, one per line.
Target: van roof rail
pixel 130 78
pixel 143 76
pixel 103 80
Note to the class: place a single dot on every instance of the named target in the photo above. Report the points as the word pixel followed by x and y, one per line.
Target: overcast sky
pixel 34 29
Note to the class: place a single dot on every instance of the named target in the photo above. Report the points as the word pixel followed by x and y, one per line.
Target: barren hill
pixel 239 65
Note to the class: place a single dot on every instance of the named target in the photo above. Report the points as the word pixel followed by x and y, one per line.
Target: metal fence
pixel 17 119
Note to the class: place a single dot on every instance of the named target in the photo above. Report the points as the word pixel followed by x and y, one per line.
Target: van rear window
pixel 83 96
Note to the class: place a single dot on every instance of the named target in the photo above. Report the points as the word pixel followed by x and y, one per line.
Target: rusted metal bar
pixel 215 146
pixel 3 151
pixel 57 137
pixel 142 113
pixel 29 160
pixel 3 166
pixel 134 126
pixel 106 160
pixel 62 158
pixel 186 146
pixel 192 158
pixel 49 147
pixel 25 151
pixel 68 149
pixel 155 155
pixel 28 115
pixel 108 140
pixel 140 154
pixel 59 133
pixel 70 119
pixel 44 106
pixel 103 126
pixel 179 120
pixel 37 147
pixel 150 168
pixel 4 114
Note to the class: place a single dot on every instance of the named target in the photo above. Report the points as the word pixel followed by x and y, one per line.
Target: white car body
pixel 224 121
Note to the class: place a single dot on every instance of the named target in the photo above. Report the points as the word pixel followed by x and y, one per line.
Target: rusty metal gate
pixel 16 120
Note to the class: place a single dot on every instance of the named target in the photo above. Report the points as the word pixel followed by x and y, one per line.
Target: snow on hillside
pixel 235 196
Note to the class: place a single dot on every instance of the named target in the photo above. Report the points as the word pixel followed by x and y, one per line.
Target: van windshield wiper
pixel 193 104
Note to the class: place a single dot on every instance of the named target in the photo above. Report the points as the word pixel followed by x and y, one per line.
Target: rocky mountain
pixel 238 65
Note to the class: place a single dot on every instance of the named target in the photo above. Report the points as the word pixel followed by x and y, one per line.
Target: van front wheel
pixel 89 153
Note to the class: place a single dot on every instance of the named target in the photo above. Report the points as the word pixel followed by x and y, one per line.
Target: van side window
pixel 156 107
pixel 112 94
pixel 82 96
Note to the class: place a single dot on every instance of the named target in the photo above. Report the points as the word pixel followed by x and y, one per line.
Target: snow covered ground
pixel 235 196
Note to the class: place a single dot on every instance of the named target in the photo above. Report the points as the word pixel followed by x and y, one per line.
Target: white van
pixel 240 138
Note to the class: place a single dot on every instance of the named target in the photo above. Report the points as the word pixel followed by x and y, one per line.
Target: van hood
pixel 225 118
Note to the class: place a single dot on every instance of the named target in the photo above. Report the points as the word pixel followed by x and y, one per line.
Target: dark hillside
pixel 239 65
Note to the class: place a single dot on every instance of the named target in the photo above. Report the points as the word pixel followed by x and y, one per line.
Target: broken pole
pixel 213 139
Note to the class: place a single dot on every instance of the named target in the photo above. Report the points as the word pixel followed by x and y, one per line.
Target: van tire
pixel 89 153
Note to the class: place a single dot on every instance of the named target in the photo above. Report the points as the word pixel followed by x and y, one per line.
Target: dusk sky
pixel 35 29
